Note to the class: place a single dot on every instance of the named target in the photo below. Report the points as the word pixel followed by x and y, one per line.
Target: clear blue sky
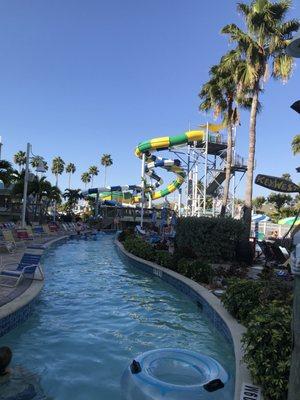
pixel 80 78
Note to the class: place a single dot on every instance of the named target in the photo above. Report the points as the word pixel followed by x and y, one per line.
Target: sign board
pixel 277 184
pixel 250 392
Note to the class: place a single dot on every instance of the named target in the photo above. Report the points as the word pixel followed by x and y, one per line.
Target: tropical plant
pixel 36 161
pixel 220 94
pixel 7 173
pixel 287 176
pixel 262 47
pixel 20 159
pixel 41 190
pixel 268 345
pixel 70 169
pixel 258 202
pixel 86 178
pixel 57 168
pixel 296 145
pixel 106 161
pixel 93 171
pixel 279 200
pixel 72 196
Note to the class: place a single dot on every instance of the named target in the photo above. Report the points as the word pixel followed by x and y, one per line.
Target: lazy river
pixel 96 313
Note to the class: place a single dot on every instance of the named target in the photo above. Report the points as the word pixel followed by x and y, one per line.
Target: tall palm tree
pixel 7 173
pixel 93 171
pixel 106 161
pixel 86 178
pixel 70 169
pixel 221 94
pixel 262 47
pixel 296 145
pixel 57 168
pixel 20 159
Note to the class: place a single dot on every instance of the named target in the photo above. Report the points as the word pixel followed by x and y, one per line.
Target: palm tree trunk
pixel 70 180
pixel 228 170
pixel 251 161
pixel 92 180
pixel 56 180
pixel 105 176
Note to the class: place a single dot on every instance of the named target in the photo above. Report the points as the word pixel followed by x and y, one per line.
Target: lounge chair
pixel 9 239
pixel 49 231
pixel 26 269
pixel 23 234
pixel 53 228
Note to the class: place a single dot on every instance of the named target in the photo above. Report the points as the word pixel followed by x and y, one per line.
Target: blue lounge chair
pixel 26 268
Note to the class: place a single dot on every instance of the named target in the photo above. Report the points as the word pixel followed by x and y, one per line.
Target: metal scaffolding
pixel 205 165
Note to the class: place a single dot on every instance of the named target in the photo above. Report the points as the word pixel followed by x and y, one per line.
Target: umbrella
pixel 260 218
pixel 289 221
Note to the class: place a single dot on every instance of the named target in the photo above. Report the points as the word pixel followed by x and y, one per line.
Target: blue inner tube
pixel 173 374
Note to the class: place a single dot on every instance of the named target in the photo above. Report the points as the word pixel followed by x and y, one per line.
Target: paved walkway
pixel 8 294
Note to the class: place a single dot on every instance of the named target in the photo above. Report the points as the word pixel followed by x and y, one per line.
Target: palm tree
pixel 7 173
pixel 296 145
pixel 57 168
pixel 286 176
pixel 220 94
pixel 20 159
pixel 262 47
pixel 85 178
pixel 70 169
pixel 93 171
pixel 72 196
pixel 106 161
pixel 42 190
pixel 36 162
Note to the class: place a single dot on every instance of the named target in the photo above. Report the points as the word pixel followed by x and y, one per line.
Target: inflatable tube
pixel 173 374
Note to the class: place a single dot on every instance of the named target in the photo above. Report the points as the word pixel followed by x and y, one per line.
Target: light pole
pixel 23 221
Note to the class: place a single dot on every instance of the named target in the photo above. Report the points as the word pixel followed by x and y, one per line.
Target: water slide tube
pixel 174 374
pixel 131 194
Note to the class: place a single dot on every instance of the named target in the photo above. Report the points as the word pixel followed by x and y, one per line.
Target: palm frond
pixel 296 145
pixel 282 67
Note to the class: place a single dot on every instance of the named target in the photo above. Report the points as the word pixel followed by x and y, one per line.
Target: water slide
pixel 131 194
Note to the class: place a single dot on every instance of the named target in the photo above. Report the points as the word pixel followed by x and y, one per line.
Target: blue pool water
pixel 95 314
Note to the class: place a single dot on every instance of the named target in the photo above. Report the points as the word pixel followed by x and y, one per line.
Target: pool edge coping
pixel 31 293
pixel 242 374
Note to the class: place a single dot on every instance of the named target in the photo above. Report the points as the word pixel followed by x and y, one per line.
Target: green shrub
pixel 244 296
pixel 212 239
pixel 183 266
pixel 139 248
pixel 201 272
pixel 197 270
pixel 165 259
pixel 268 346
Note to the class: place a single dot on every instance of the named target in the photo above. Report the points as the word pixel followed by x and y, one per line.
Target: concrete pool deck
pixel 16 303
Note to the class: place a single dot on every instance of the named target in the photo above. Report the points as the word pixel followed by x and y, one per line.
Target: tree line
pixel 59 166
pixel 41 193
